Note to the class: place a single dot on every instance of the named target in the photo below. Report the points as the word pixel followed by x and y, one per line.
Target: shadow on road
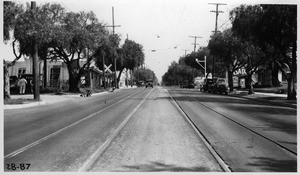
pixel 272 165
pixel 158 166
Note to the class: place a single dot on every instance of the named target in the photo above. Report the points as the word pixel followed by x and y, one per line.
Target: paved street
pixel 153 129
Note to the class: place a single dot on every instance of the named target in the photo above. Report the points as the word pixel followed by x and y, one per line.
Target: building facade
pixel 58 75
pixel 262 77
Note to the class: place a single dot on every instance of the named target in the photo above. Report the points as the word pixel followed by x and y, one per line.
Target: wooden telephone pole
pixel 195 43
pixel 35 58
pixel 115 58
pixel 216 28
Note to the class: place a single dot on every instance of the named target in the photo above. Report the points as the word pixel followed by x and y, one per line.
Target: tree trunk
pixel 119 76
pixel 131 83
pixel 45 72
pixel 230 80
pixel 6 84
pixel 275 81
pixel 249 83
pixel 292 78
pixel 73 82
pixel 291 94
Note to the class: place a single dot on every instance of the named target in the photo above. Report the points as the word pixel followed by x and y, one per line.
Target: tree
pixel 143 74
pixel 201 54
pixel 25 25
pixel 227 48
pixel 254 57
pixel 274 29
pixel 107 51
pixel 132 56
pixel 76 38
pixel 179 74
pixel 10 13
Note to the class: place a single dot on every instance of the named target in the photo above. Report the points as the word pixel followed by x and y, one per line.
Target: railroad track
pixel 290 151
pixel 39 141
pixel 218 158
pixel 94 157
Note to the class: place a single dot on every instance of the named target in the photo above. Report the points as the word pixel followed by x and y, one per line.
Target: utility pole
pixel 217 13
pixel 115 58
pixel 103 62
pixel 195 43
pixel 204 67
pixel 216 28
pixel 35 65
pixel 185 52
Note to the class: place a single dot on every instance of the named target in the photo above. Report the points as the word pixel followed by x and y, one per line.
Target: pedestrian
pixel 22 84
pixel 81 86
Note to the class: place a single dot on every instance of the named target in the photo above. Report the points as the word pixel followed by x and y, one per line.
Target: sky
pixel 165 26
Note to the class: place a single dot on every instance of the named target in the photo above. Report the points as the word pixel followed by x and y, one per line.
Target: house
pixel 262 77
pixel 58 75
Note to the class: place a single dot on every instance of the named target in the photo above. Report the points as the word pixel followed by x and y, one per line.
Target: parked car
pixel 190 86
pixel 207 82
pixel 220 85
pixel 210 85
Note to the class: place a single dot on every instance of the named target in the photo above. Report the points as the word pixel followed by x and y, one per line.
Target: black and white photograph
pixel 149 86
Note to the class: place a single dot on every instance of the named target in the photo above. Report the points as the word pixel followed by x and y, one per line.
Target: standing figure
pixel 81 86
pixel 22 84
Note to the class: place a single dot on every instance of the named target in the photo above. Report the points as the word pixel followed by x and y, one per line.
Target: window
pixel 54 76
pixel 21 71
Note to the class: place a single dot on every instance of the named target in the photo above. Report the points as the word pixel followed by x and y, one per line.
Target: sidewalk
pixel 268 97
pixel 50 98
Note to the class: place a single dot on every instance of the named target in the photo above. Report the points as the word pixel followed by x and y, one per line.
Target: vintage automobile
pixel 149 83
pixel 220 85
pixel 207 82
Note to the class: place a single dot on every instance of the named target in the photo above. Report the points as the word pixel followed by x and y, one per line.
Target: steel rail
pixel 94 157
pixel 20 150
pixel 217 157
pixel 293 153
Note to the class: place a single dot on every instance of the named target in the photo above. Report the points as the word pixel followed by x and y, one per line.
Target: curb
pixel 269 101
pixel 19 106
pixel 42 102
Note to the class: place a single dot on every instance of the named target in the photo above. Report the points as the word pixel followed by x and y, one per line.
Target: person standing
pixel 22 84
pixel 81 86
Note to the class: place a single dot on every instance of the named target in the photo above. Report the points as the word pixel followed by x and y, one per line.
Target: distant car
pixel 149 84
pixel 207 82
pixel 220 85
pixel 190 86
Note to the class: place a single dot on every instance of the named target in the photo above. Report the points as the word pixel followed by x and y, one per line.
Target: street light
pixel 197 61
